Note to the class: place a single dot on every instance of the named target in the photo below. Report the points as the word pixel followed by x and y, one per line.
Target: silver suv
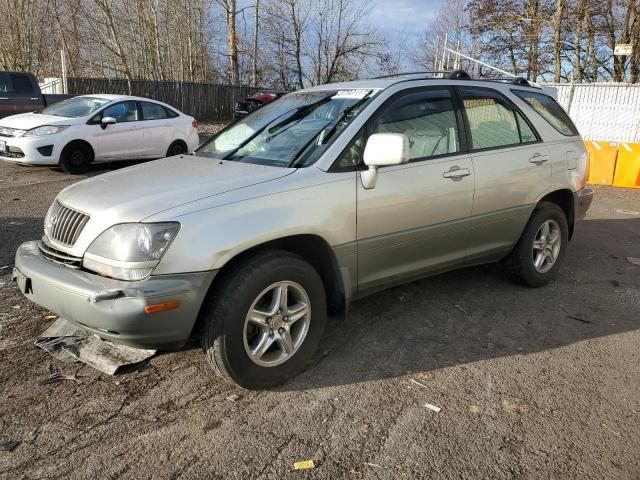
pixel 321 197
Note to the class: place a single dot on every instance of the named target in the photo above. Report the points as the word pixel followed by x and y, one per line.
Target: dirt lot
pixel 532 383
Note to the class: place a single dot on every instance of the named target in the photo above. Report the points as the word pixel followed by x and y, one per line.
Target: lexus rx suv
pixel 323 196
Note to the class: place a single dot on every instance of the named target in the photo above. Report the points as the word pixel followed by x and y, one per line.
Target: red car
pixel 251 103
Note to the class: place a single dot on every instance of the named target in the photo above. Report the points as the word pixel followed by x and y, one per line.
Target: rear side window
pixel 549 109
pixel 428 118
pixel 153 111
pixel 492 121
pixel 21 83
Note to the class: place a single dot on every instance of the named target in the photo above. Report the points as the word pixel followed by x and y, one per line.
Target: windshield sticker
pixel 358 94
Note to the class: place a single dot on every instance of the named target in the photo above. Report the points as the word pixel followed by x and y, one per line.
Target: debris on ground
pixel 58 377
pixel 515 405
pixel 579 319
pixel 474 409
pixel 458 307
pixel 634 260
pixel 16 307
pixel 50 317
pixel 304 465
pixel 433 407
pixel 69 343
pixel 413 380
pixel 234 397
pixel 8 446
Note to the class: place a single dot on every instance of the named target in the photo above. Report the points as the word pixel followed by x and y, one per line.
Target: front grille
pixel 64 224
pixel 57 256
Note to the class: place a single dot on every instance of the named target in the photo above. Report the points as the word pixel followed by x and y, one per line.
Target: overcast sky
pixel 392 17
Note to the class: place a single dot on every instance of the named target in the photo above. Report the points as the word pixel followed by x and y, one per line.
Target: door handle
pixel 456 172
pixel 4 98
pixel 539 159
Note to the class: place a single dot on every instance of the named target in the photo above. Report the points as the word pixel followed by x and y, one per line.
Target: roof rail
pixel 458 75
pixel 443 73
pixel 512 80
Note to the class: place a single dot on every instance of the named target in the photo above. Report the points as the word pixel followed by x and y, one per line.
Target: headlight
pixel 129 251
pixel 45 130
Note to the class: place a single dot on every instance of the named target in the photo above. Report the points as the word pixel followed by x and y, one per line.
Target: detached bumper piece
pixel 69 343
pixel 583 199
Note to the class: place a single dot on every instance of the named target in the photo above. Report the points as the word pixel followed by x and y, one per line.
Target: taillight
pixel 194 124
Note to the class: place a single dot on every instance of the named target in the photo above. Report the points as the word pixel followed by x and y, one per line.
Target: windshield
pixel 290 132
pixel 75 107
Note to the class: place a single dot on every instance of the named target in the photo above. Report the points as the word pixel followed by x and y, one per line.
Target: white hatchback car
pixel 96 128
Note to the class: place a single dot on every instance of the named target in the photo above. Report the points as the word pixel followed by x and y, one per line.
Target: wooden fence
pixel 204 101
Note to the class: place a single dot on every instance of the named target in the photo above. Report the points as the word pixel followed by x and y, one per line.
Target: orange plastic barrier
pixel 602 162
pixel 628 166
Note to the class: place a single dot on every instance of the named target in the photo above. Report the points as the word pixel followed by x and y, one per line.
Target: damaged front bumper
pixel 113 309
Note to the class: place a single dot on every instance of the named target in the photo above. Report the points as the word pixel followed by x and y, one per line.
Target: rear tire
pixel 76 158
pixel 254 338
pixel 537 256
pixel 177 148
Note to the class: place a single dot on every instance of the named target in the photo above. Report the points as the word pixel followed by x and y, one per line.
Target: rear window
pixel 550 110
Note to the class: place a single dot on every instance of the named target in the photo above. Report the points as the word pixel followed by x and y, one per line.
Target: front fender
pixel 210 237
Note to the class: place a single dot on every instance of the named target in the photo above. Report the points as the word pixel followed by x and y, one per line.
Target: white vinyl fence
pixel 602 111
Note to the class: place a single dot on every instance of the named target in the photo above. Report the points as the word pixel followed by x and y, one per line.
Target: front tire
pixel 537 256
pixel 76 158
pixel 264 320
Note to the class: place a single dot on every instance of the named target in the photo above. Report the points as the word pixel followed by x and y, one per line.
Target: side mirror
pixel 107 121
pixel 383 149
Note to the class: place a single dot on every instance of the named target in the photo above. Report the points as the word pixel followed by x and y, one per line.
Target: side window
pixel 122 112
pixel 491 119
pixel 549 109
pixel 428 118
pixel 21 83
pixel 153 111
pixel 352 156
pixel 527 135
pixel 4 83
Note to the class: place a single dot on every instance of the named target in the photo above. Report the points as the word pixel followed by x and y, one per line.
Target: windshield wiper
pixel 294 114
pixel 336 122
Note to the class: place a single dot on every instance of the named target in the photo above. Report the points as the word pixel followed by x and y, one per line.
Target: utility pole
pixel 63 67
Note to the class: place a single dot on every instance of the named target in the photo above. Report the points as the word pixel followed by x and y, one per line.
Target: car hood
pixel 27 121
pixel 135 193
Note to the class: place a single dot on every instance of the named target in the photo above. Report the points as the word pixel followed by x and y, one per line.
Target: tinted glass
pixel 491 120
pixel 122 112
pixel 527 135
pixel 153 111
pixel 427 118
pixel 75 107
pixel 4 83
pixel 21 83
pixel 549 109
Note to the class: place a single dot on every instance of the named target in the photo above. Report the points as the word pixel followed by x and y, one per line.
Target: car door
pixel 24 96
pixel 412 222
pixel 158 129
pixel 512 170
pixel 122 140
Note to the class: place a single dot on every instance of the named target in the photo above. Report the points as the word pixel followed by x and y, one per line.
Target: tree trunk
pixel 254 56
pixel 557 39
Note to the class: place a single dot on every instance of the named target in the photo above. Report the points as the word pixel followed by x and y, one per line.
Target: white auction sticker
pixel 358 93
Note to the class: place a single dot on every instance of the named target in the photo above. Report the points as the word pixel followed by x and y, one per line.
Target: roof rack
pixel 512 80
pixel 460 75
pixel 425 72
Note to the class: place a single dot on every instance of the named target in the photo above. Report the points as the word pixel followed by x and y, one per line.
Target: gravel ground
pixel 532 383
